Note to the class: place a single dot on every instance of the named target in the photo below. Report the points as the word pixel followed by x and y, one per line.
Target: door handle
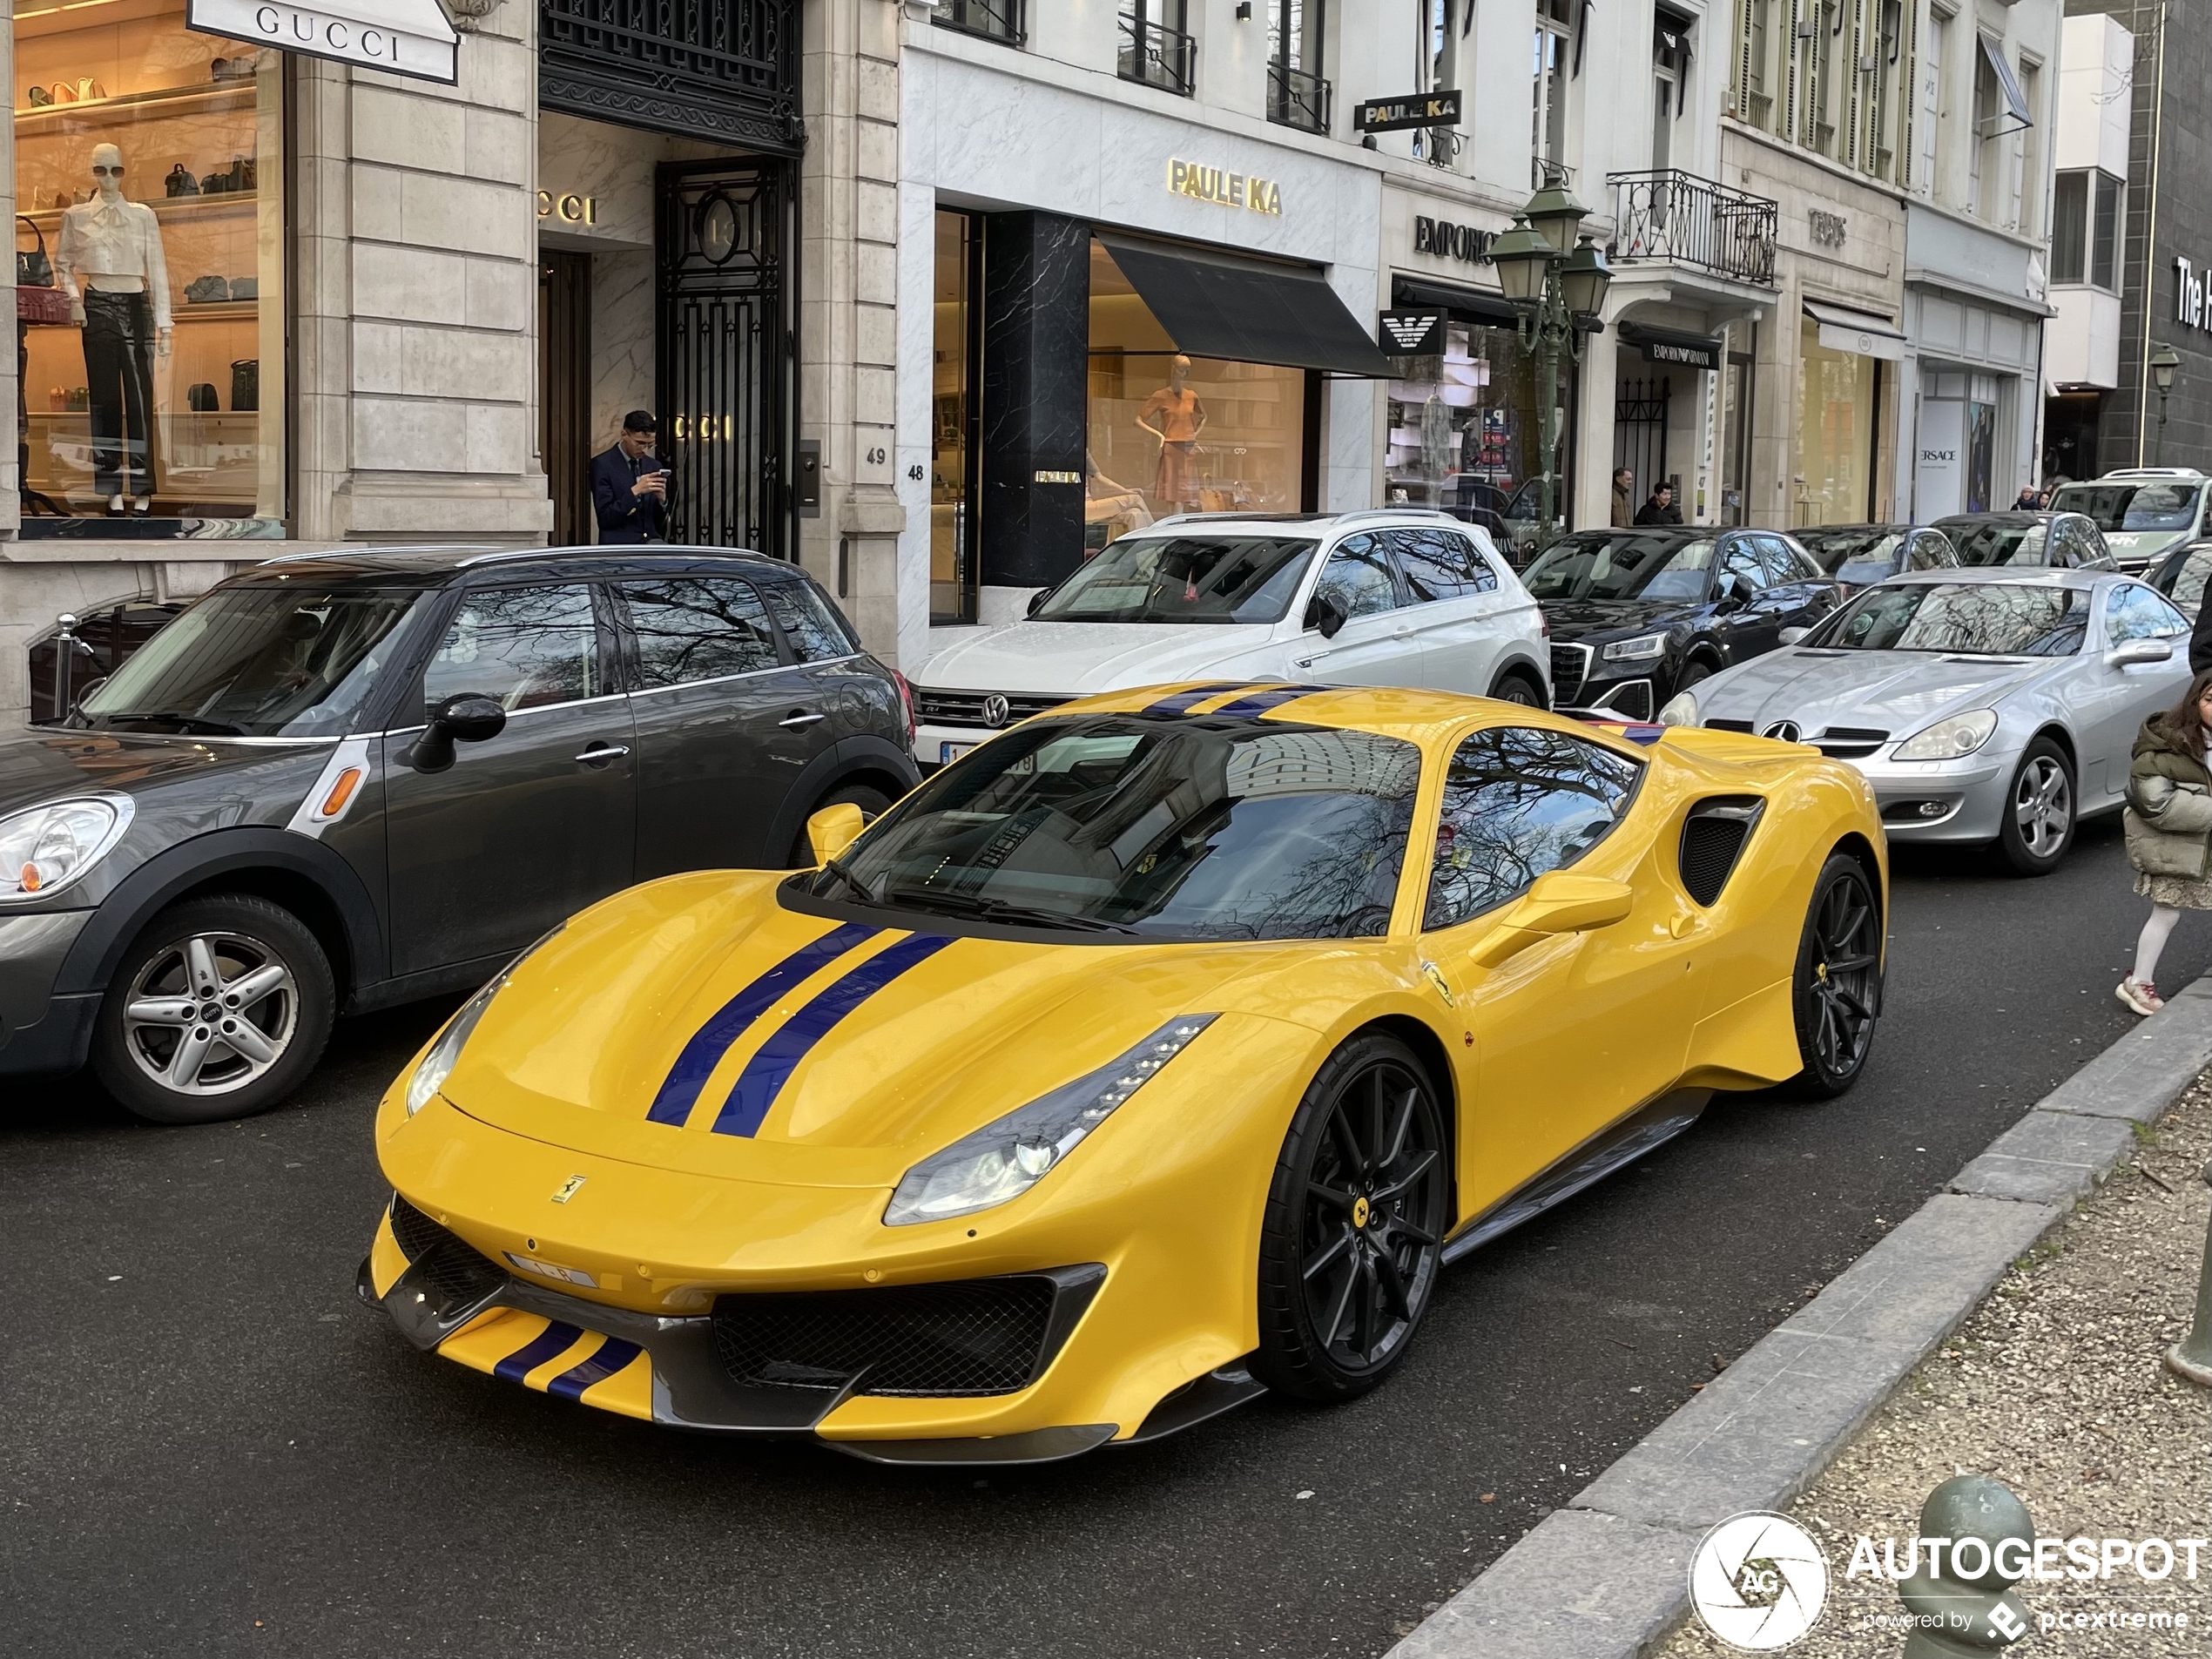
pixel 600 754
pixel 801 716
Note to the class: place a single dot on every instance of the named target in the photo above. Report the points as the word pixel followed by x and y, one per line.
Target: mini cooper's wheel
pixel 871 802
pixel 1836 992
pixel 1352 1240
pixel 218 1009
pixel 2038 824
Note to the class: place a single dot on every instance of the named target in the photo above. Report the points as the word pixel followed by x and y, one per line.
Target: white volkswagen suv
pixel 1395 596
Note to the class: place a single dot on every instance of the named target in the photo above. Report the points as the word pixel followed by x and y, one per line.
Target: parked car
pixel 1395 597
pixel 341 781
pixel 2143 512
pixel 2055 541
pixel 2181 574
pixel 1983 705
pixel 1157 1058
pixel 1860 555
pixel 1637 615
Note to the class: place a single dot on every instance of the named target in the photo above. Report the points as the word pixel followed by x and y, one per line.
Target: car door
pixel 1743 625
pixel 1518 803
pixel 1456 605
pixel 1798 594
pixel 2119 698
pixel 1376 645
pixel 530 826
pixel 711 701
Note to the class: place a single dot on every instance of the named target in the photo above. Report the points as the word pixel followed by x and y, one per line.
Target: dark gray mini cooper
pixel 341 781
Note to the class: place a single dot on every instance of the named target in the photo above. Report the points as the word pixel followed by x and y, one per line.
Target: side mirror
pixel 2140 650
pixel 1794 635
pixel 469 718
pixel 834 829
pixel 1325 616
pixel 1561 903
pixel 1036 601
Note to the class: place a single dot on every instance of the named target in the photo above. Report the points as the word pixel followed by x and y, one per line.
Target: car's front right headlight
pixel 45 848
pixel 1680 710
pixel 1948 740
pixel 1003 1160
pixel 440 1058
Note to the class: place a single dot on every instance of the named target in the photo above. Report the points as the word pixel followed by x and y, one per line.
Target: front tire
pixel 219 1010
pixel 1837 990
pixel 2039 820
pixel 1352 1240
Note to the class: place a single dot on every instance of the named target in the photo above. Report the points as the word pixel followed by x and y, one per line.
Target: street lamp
pixel 2165 363
pixel 1557 296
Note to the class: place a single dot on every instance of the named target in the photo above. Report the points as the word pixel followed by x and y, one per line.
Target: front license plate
pixel 948 753
pixel 547 1270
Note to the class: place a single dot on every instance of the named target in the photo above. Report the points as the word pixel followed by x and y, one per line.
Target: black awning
pixel 1672 345
pixel 1245 311
pixel 1479 305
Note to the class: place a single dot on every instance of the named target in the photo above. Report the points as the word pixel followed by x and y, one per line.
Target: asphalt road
pixel 211 1449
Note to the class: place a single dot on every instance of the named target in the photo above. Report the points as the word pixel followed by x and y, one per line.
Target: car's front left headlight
pixel 1644 648
pixel 440 1058
pixel 45 848
pixel 1004 1159
pixel 1948 740
pixel 1680 710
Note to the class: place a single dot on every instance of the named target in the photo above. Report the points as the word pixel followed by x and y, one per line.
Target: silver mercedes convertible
pixel 1993 705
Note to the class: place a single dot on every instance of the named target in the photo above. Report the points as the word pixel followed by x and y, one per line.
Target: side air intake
pixel 1713 840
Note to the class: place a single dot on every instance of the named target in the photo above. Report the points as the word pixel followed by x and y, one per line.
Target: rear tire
pixel 1517 688
pixel 1352 1242
pixel 1836 993
pixel 871 801
pixel 219 1010
pixel 2039 816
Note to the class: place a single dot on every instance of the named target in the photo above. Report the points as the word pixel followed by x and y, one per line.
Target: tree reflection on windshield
pixel 1983 619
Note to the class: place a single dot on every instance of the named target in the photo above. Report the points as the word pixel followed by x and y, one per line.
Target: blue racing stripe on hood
pixel 1259 702
pixel 770 1068
pixel 711 1041
pixel 555 1339
pixel 1181 702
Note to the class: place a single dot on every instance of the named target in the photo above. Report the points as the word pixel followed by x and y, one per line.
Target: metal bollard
pixel 1969 1614
pixel 2192 1356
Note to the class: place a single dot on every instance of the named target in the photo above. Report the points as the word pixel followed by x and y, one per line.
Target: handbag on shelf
pixel 34 269
pixel 246 287
pixel 245 385
pixel 207 290
pixel 180 182
pixel 200 395
pixel 40 98
pixel 37 298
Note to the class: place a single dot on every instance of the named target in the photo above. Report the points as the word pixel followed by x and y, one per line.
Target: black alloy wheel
pixel 871 802
pixel 1837 994
pixel 1354 1236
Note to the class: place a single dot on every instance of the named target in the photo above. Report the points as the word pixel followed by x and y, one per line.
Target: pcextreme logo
pixel 1758 1582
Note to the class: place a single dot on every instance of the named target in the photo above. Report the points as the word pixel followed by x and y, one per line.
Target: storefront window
pixel 952 411
pixel 1466 434
pixel 1836 395
pixel 1174 434
pixel 149 264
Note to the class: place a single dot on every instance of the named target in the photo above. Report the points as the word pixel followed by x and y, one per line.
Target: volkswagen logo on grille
pixel 996 711
pixel 1783 731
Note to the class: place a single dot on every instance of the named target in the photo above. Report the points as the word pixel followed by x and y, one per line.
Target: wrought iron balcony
pixel 993 19
pixel 1677 216
pixel 1159 56
pixel 1296 98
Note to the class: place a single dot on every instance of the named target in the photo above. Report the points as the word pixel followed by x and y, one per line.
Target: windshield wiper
pixel 184 722
pixel 988 909
pixel 839 868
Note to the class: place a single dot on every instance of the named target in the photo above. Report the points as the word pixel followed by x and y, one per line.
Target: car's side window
pixel 816 632
pixel 1741 571
pixel 2137 613
pixel 1780 562
pixel 1518 802
pixel 694 628
pixel 522 647
pixel 1358 578
pixel 1928 553
pixel 2188 586
pixel 1440 564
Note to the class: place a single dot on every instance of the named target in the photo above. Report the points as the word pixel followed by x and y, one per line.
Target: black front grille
pixel 982 1335
pixel 1729 725
pixel 459 1274
pixel 1849 742
pixel 1712 841
pixel 1570 666
pixel 966 708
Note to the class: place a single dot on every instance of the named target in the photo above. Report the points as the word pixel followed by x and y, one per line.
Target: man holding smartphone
pixel 630 488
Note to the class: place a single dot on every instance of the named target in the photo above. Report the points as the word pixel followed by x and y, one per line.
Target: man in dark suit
pixel 630 488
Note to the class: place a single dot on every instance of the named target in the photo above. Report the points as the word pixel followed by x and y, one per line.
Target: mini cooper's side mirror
pixel 2140 650
pixel 834 828
pixel 469 718
pixel 1561 903
pixel 1325 616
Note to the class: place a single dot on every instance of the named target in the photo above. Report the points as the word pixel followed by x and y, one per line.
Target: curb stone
pixel 1607 1576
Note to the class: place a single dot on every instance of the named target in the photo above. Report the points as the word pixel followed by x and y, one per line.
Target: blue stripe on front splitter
pixel 610 1356
pixel 711 1041
pixel 1260 702
pixel 553 1341
pixel 1181 702
pixel 770 1068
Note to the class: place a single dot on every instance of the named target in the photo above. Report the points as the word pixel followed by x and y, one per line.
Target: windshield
pixel 265 660
pixel 1832 550
pixel 1625 566
pixel 1996 543
pixel 2133 507
pixel 1970 619
pixel 1184 578
pixel 1164 828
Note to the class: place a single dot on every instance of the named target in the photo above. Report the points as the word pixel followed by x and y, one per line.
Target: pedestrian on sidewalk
pixel 2168 825
pixel 1624 502
pixel 1660 509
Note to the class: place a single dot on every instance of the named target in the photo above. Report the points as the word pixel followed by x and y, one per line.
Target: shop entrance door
pixel 1640 434
pixel 564 377
pixel 725 348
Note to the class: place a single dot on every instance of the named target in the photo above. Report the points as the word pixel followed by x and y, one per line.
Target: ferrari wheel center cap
pixel 1360 1212
pixel 1821 972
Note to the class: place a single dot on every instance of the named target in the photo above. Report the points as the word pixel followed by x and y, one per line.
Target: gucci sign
pixel 569 209
pixel 400 37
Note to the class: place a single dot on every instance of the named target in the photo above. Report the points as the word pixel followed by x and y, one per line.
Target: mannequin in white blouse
pixel 109 262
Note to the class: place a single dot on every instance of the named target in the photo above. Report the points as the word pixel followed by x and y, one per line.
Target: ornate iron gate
pixel 1640 435
pixel 726 349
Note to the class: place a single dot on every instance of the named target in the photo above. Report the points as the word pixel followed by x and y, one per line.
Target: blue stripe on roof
pixel 711 1041
pixel 1181 701
pixel 550 1343
pixel 770 1068
pixel 611 1356
pixel 1259 702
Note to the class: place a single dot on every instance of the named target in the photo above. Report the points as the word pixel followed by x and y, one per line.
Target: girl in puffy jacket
pixel 2168 825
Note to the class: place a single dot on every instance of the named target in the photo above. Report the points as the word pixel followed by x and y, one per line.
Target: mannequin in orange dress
pixel 1176 417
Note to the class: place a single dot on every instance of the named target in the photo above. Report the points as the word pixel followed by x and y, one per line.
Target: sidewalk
pixel 2055 1386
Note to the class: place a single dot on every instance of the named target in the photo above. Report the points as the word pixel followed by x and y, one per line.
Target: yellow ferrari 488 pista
pixel 1163 1050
